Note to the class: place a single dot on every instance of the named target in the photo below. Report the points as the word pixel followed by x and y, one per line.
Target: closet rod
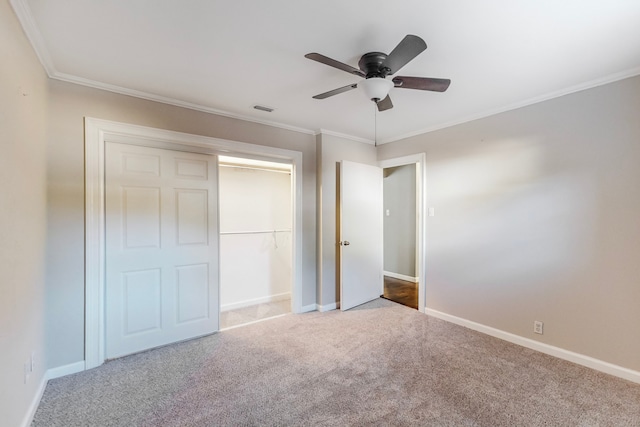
pixel 255 232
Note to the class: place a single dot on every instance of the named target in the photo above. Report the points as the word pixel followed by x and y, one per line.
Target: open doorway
pixel 255 240
pixel 401 271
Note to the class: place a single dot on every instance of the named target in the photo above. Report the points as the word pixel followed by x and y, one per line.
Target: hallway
pixel 401 291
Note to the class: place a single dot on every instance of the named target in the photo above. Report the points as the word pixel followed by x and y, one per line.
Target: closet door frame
pixel 97 133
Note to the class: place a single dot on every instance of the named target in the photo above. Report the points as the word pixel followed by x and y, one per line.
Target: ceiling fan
pixel 376 66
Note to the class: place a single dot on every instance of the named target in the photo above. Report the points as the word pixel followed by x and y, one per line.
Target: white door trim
pixel 97 133
pixel 421 160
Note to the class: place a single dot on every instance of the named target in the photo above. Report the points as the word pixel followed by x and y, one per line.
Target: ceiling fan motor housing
pixel 371 65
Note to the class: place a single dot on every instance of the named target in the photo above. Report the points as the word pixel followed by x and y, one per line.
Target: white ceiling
pixel 226 56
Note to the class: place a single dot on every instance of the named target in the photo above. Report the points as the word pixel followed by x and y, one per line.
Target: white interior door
pixel 161 247
pixel 361 231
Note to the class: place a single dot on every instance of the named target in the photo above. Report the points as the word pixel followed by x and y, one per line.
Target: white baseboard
pixel 308 308
pixel 580 359
pixel 31 412
pixel 400 276
pixel 62 371
pixel 253 322
pixel 328 307
pixel 254 301
pixel 49 375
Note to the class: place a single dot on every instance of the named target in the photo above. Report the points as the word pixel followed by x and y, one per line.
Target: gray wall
pixel 536 214
pixel 23 120
pixel 332 149
pixel 65 276
pixel 399 185
pixel 536 218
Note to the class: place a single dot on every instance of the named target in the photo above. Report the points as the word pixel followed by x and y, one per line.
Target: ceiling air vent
pixel 263 108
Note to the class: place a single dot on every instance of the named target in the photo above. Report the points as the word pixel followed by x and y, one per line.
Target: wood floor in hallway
pixel 401 291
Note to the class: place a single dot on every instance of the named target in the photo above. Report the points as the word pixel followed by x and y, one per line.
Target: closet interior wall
pixel 255 236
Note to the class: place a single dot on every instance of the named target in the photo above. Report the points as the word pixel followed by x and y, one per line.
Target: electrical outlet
pixel 27 372
pixel 537 327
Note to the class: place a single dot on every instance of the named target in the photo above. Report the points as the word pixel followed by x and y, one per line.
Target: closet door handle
pixel 345 243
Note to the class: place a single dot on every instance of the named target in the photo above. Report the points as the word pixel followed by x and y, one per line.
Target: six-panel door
pixel 161 247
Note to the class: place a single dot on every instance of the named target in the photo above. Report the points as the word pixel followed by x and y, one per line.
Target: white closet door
pixel 161 247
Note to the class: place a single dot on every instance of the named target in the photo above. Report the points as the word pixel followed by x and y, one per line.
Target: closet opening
pixel 256 247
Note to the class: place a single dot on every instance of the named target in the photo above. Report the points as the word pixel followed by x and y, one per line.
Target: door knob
pixel 345 243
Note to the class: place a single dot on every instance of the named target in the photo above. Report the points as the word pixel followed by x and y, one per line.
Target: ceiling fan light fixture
pixel 375 66
pixel 376 88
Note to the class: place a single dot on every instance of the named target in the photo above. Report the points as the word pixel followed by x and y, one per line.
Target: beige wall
pixel 536 218
pixel 23 112
pixel 65 276
pixel 536 214
pixel 332 149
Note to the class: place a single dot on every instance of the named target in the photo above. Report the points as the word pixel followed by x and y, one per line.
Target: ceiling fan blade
pixel 410 47
pixel 333 63
pixel 385 104
pixel 422 83
pixel 336 91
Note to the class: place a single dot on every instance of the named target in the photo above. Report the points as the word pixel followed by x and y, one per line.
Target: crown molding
pixel 345 136
pixel 535 100
pixel 23 13
pixel 173 101
pixel 25 17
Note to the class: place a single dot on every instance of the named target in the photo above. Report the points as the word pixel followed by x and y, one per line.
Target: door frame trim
pixel 97 133
pixel 420 160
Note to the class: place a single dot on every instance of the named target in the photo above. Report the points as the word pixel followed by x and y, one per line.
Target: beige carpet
pixel 379 364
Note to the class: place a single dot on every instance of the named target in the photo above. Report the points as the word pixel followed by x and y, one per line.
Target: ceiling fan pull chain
pixel 375 125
